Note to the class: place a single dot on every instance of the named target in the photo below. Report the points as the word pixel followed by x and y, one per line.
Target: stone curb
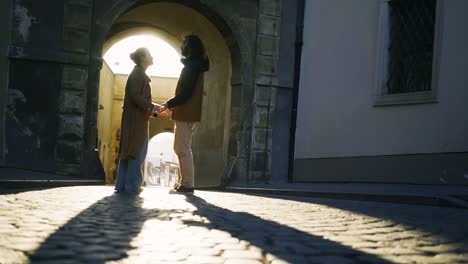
pixel 17 184
pixel 441 201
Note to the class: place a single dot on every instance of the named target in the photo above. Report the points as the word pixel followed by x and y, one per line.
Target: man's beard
pixel 185 52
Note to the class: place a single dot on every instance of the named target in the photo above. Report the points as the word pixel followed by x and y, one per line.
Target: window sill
pixel 406 99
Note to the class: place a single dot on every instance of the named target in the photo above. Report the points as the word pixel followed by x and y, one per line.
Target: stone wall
pixel 70 43
pixel 266 83
pixel 5 20
pixel 69 146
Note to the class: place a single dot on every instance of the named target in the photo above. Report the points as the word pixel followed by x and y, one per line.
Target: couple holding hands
pixel 185 109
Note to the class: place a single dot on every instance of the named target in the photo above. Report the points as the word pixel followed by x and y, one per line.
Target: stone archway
pixel 111 94
pixel 218 139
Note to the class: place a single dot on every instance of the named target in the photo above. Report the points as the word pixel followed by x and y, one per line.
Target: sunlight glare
pixel 166 58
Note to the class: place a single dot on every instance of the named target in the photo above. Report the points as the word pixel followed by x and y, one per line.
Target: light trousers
pixel 183 148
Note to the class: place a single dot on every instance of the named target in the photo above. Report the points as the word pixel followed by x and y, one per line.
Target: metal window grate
pixel 412 28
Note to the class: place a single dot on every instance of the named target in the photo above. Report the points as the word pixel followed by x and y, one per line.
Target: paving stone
pixel 243 261
pixel 206 260
pixel 27 248
pixel 381 259
pixel 278 261
pixel 451 257
pixel 60 261
pixel 392 251
pixel 242 254
pixel 442 248
pixel 330 260
pixel 9 256
pixel 53 253
pixel 201 251
pixel 414 259
pixel 233 246
pixel 94 248
pixel 171 256
pixel 101 256
pixel 90 225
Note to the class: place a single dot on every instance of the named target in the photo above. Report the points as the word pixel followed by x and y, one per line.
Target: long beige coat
pixel 135 115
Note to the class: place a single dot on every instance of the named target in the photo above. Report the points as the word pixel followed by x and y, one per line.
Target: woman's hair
pixel 138 54
pixel 196 45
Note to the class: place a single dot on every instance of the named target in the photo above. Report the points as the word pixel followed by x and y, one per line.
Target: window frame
pixel 382 97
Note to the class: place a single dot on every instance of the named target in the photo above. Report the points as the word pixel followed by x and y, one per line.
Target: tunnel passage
pixel 213 137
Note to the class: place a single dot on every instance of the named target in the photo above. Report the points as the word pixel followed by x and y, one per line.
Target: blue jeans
pixel 129 177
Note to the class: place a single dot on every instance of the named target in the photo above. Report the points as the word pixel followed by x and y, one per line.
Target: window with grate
pixel 408 51
pixel 412 26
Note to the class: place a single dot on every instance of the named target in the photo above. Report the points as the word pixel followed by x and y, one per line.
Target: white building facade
pixel 383 94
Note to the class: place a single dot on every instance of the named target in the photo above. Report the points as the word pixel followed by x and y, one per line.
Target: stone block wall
pixel 267 57
pixel 68 35
pixel 71 116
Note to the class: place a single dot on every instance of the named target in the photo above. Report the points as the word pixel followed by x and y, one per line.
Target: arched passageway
pixel 114 74
pixel 215 138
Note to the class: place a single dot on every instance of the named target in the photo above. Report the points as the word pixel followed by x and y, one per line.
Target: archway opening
pixel 161 167
pixel 213 138
pixel 116 67
pixel 166 58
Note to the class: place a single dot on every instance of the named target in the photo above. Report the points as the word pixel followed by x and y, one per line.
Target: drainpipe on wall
pixel 297 76
pixel 6 18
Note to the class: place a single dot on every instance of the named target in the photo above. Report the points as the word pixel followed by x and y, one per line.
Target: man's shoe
pixel 183 189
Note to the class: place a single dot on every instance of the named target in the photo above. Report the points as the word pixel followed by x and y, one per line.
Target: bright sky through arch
pixel 166 59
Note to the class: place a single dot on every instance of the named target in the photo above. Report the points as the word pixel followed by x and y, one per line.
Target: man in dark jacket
pixel 186 108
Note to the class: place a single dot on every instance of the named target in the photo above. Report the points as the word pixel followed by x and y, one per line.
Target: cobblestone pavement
pixel 92 225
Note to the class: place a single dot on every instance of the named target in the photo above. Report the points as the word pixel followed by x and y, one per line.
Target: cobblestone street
pixel 92 225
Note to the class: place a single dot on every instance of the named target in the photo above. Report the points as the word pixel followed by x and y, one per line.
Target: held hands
pixel 157 108
pixel 162 109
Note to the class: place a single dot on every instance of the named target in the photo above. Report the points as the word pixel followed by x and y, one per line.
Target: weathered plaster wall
pixel 105 125
pixel 337 117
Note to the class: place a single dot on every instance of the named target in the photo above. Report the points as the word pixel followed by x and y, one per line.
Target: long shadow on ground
pixel 438 225
pixel 104 232
pixel 284 242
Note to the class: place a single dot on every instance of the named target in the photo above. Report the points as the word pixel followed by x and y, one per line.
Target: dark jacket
pixel 188 100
